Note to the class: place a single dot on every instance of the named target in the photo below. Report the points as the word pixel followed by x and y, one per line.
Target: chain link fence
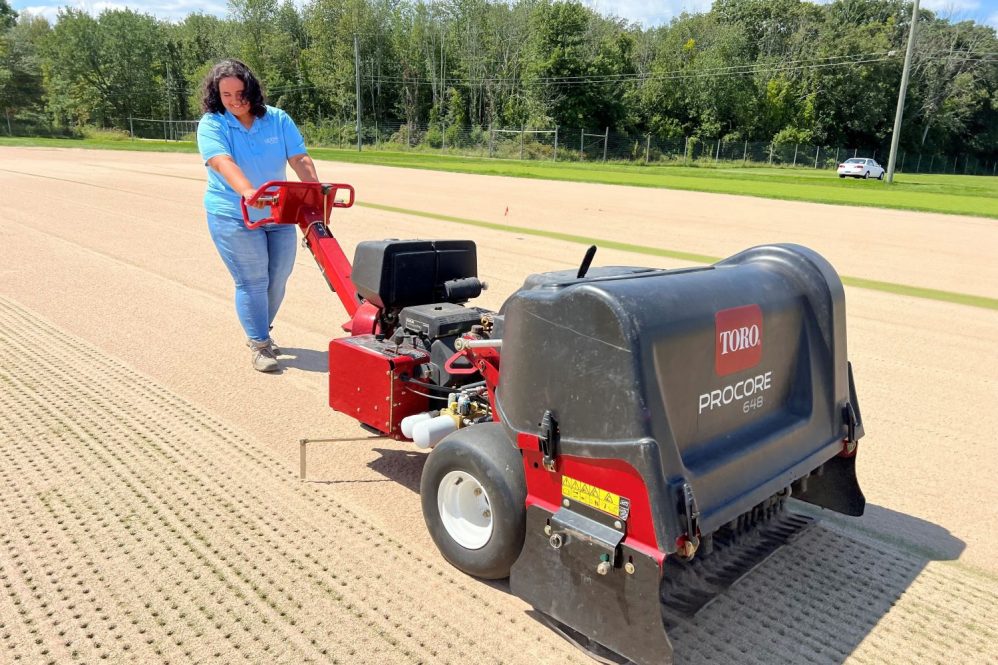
pixel 606 145
pixel 31 125
pixel 565 144
pixel 166 130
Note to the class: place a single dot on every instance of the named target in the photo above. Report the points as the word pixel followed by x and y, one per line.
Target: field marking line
pixel 874 285
pixel 983 302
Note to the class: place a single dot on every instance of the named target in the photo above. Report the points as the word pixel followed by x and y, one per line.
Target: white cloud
pixel 649 13
pixel 49 12
pixel 170 11
pixel 960 10
pixel 948 7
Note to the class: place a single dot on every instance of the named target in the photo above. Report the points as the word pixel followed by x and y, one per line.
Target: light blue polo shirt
pixel 262 152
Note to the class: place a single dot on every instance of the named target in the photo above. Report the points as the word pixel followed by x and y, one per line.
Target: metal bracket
pixel 691 513
pixel 548 439
pixel 849 416
pixel 592 542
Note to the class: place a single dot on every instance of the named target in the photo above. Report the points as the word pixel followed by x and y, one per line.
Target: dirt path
pixel 117 327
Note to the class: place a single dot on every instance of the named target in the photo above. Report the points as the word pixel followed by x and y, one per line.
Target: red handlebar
pixel 290 200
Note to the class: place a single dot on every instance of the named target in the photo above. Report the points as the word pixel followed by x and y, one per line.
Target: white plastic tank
pixel 410 421
pixel 428 433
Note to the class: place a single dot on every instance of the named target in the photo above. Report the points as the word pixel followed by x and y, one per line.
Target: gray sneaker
pixel 264 359
pixel 273 345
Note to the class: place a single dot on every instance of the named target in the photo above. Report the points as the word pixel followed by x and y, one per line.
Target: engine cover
pixel 392 274
pixel 439 319
pixel 366 381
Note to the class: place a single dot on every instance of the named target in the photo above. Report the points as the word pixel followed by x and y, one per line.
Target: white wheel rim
pixel 465 510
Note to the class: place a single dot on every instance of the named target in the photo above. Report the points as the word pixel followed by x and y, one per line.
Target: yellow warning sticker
pixel 607 502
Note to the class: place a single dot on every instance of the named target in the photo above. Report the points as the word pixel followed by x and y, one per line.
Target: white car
pixel 861 167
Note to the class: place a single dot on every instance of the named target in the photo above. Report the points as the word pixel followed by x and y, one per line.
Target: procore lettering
pixel 736 391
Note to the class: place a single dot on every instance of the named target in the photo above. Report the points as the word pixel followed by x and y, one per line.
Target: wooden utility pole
pixel 896 134
pixel 356 67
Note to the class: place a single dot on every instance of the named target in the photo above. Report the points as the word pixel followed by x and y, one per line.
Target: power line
pixel 713 72
pixel 717 72
pixel 735 70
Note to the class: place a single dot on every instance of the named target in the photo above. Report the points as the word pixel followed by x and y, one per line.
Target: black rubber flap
pixel 617 613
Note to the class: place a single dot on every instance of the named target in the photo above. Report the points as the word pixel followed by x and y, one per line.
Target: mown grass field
pixel 950 194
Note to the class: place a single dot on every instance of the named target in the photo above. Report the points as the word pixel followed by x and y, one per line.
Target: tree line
pixel 747 70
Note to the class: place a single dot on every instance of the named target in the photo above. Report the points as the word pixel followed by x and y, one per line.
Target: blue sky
pixel 647 12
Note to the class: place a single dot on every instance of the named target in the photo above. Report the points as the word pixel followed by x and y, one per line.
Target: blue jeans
pixel 260 262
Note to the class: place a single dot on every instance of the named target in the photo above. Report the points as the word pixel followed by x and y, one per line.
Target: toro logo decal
pixel 737 339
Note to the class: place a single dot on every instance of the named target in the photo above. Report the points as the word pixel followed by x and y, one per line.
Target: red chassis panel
pixel 365 381
pixel 544 489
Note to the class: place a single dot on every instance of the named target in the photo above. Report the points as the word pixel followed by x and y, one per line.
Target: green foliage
pixel 194 45
pixel 21 85
pixel 747 70
pixel 572 42
pixel 105 69
pixel 8 17
pixel 789 135
pixel 434 136
pixel 99 134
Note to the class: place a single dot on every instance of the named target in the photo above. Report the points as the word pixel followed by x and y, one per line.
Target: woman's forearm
pixel 304 168
pixel 233 175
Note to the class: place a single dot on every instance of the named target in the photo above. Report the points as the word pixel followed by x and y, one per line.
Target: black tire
pixel 881 176
pixel 866 176
pixel 841 176
pixel 485 453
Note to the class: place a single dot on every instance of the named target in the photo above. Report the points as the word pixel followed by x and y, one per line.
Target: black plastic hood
pixel 732 378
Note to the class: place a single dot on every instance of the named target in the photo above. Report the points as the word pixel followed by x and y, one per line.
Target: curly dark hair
pixel 211 100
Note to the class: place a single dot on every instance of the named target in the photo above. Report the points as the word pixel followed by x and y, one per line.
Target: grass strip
pixel 954 195
pixel 921 292
pixel 946 194
pixel 859 282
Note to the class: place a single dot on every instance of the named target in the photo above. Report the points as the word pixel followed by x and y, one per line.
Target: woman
pixel 244 144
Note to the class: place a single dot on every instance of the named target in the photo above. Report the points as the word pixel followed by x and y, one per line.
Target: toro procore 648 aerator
pixel 620 442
